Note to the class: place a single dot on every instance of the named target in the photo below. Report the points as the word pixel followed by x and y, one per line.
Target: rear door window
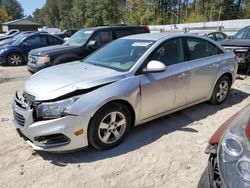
pixel 139 30
pixel 123 33
pixel 102 37
pixel 53 40
pixel 198 48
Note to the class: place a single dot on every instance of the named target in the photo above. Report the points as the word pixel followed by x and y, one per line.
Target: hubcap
pixel 15 60
pixel 222 91
pixel 112 127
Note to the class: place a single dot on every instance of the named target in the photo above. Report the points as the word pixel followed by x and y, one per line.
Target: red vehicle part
pixel 248 130
pixel 215 139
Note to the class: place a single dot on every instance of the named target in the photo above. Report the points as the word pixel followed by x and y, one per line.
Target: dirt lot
pixel 167 152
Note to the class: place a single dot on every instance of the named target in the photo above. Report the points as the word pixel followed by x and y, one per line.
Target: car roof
pixel 159 36
pixel 39 33
pixel 113 27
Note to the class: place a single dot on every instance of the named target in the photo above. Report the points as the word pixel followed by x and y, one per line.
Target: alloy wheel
pixel 15 59
pixel 112 127
pixel 222 91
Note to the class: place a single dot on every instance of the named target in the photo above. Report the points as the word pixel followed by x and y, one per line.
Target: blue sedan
pixel 16 53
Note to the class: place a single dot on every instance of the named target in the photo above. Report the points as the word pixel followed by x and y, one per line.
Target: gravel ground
pixel 167 152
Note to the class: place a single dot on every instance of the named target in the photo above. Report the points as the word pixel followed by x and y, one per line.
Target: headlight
pixel 43 59
pixel 234 152
pixel 55 109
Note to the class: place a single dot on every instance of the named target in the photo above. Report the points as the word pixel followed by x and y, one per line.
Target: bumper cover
pixel 68 125
pixel 35 68
pixel 2 60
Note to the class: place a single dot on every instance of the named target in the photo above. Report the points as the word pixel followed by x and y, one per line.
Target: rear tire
pixel 15 59
pixel 221 90
pixel 109 126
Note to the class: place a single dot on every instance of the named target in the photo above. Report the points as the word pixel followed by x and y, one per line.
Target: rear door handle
pixel 182 75
pixel 213 66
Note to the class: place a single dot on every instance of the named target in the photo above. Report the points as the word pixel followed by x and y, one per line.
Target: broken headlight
pixel 55 109
pixel 234 152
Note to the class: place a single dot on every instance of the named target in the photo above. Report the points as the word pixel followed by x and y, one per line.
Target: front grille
pixel 19 119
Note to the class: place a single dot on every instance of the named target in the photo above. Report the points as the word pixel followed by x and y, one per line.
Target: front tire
pixel 15 59
pixel 221 90
pixel 109 126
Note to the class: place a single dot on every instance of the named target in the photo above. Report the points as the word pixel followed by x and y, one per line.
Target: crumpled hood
pixel 60 80
pixel 52 49
pixel 236 42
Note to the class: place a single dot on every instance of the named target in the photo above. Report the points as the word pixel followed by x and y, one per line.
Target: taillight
pixel 147 28
pixel 248 130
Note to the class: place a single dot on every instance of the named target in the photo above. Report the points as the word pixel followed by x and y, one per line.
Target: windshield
pixel 120 55
pixel 18 36
pixel 18 40
pixel 243 34
pixel 79 38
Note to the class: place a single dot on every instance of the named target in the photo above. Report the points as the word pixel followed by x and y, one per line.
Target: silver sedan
pixel 128 82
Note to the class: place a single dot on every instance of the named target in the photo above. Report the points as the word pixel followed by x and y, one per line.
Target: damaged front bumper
pixel 55 135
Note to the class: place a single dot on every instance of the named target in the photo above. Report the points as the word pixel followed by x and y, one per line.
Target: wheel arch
pixel 228 74
pixel 15 52
pixel 126 104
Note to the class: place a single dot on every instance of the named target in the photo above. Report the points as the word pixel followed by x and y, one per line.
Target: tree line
pixel 10 10
pixel 86 13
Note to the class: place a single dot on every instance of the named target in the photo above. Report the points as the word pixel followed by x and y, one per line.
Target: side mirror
pixel 230 37
pixel 155 66
pixel 92 44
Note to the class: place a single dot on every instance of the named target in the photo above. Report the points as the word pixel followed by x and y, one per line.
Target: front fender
pixel 15 50
pixel 126 89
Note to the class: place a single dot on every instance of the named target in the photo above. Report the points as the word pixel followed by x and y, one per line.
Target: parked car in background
pixel 80 45
pixel 229 154
pixel 16 53
pixel 9 33
pixel 240 44
pixel 66 33
pixel 217 36
pixel 9 40
pixel 128 82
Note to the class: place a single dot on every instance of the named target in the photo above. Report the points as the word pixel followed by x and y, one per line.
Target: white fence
pixel 228 26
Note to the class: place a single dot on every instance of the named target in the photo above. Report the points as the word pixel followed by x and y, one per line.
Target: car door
pixel 161 92
pixel 34 42
pixel 53 41
pixel 203 61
